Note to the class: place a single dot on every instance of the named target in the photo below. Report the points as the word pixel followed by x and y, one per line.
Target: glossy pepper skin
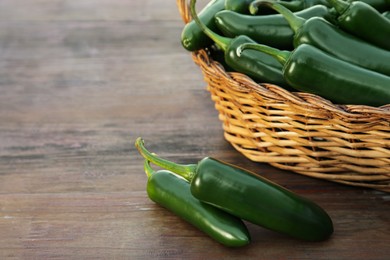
pixel 173 193
pixel 272 30
pixel 238 6
pixel 311 70
pixel 364 21
pixel 192 37
pixel 242 6
pixel 298 5
pixel 386 14
pixel 380 5
pixel 250 197
pixel 259 66
pixel 320 33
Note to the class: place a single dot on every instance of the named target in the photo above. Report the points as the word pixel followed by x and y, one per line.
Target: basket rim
pixel 301 100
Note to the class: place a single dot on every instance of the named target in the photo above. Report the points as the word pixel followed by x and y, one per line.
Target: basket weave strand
pixel 297 131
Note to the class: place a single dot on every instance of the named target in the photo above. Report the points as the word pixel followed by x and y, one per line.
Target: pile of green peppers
pixel 217 197
pixel 336 49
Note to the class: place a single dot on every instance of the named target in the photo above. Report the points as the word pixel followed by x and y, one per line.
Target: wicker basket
pixel 299 132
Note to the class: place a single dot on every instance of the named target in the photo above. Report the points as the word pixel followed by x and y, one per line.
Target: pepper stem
pixel 339 6
pixel 148 169
pixel 294 21
pixel 221 41
pixel 279 55
pixel 186 171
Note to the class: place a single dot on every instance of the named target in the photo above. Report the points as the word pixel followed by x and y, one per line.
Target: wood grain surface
pixel 79 81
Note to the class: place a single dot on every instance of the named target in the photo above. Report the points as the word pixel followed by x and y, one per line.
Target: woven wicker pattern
pixel 299 132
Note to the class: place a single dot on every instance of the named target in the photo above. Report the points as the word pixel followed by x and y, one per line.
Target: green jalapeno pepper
pixel 260 66
pixel 298 5
pixel 320 33
pixel 250 197
pixel 309 69
pixel 272 30
pixel 192 37
pixel 364 21
pixel 242 6
pixel 173 192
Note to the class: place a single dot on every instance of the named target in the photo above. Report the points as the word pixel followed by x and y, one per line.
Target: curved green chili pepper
pixel 242 6
pixel 173 192
pixel 364 21
pixel 272 30
pixel 261 67
pixel 311 70
pixel 192 37
pixel 298 5
pixel 320 33
pixel 250 197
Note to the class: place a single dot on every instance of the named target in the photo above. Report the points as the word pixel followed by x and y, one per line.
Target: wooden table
pixel 79 81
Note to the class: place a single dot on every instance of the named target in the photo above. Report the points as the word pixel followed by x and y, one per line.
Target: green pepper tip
pixel 139 142
pixel 253 9
pixel 254 6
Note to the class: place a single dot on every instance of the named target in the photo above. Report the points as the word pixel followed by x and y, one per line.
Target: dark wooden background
pixel 79 81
